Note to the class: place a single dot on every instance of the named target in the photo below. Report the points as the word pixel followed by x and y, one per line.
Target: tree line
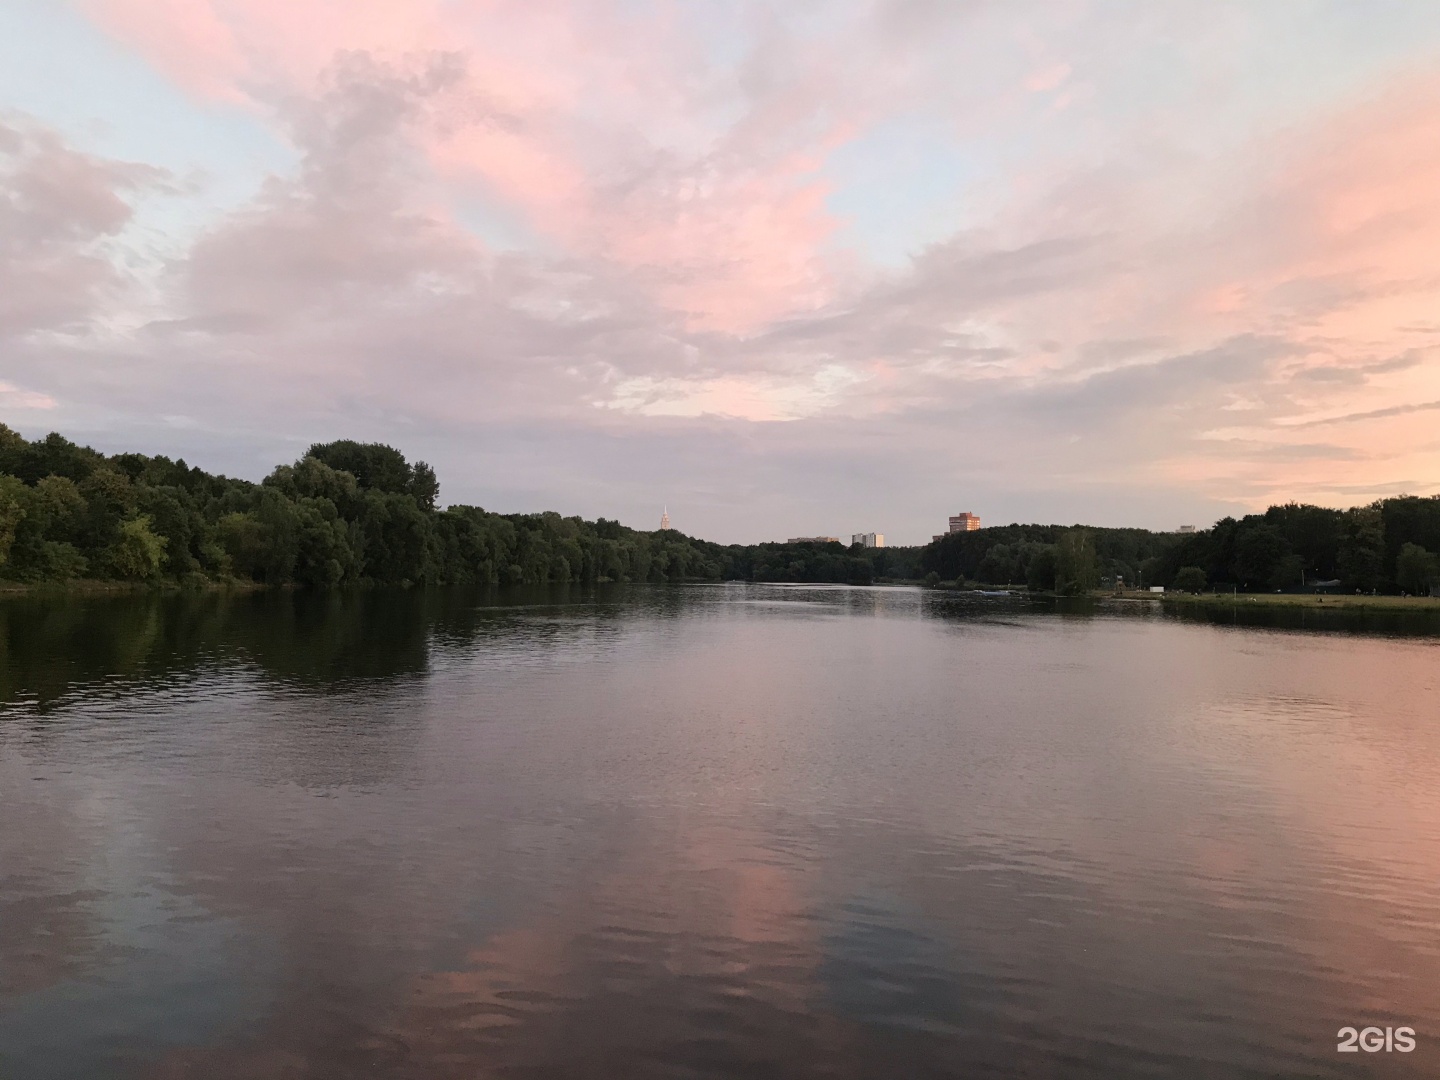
pixel 346 512
pixel 1389 546
pixel 350 512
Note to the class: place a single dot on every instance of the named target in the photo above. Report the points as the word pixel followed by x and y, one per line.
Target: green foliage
pixel 350 512
pixel 1260 556
pixel 380 468
pixel 1004 554
pixel 1041 573
pixel 1417 571
pixel 1076 570
pixel 1190 579
pixel 1361 559
pixel 137 553
pixel 14 502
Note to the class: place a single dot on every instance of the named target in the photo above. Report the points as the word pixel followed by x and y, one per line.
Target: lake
pixel 707 831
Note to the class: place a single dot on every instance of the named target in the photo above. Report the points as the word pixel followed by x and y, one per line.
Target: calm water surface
pixel 708 831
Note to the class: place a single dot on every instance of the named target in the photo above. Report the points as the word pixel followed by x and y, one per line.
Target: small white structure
pixel 1157 588
pixel 868 539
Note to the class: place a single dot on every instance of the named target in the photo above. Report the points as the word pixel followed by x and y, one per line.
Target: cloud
pixel 1374 414
pixel 58 207
pixel 592 125
pixel 1127 309
pixel 15 397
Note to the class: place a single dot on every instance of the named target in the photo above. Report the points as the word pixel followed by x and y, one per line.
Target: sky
pixel 812 267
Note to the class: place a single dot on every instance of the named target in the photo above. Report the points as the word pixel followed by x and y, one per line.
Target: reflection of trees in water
pixel 1353 620
pixel 329 638
pixel 54 645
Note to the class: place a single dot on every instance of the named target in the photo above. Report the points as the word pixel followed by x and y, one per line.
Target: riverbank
pixel 101 587
pixel 1322 601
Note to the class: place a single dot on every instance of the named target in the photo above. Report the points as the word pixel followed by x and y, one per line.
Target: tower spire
pixel 665 518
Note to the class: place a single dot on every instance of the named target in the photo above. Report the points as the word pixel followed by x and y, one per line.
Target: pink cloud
pixel 186 40
pixel 572 116
pixel 1148 308
pixel 1047 78
pixel 24 399
pixel 56 206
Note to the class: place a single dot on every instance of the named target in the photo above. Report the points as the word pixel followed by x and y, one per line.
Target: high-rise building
pixel 665 518
pixel 966 522
pixel 868 539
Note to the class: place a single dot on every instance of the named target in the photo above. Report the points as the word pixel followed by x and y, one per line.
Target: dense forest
pixel 351 512
pixel 346 512
pixel 1386 547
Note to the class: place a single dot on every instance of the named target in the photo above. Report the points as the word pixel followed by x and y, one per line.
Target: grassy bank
pixel 1304 600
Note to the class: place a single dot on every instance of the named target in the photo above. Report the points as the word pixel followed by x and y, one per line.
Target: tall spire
pixel 665 518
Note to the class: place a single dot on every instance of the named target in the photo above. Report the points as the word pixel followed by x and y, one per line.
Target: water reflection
pixel 1393 622
pixel 712 831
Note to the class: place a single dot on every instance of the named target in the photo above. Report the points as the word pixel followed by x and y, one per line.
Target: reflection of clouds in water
pixel 48 926
pixel 582 837
pixel 94 978
pixel 692 943
pixel 882 968
pixel 171 980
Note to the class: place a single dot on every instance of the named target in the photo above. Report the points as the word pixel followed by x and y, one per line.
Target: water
pixel 707 831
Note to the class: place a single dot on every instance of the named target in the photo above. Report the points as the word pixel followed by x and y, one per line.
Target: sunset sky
pixel 785 268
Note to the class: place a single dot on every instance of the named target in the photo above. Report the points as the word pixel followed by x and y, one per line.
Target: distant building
pixel 966 522
pixel 1186 529
pixel 813 540
pixel 868 539
pixel 665 518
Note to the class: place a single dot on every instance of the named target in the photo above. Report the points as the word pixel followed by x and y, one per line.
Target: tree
pixel 1260 554
pixel 137 553
pixel 376 466
pixel 1362 549
pixel 1416 570
pixel 323 553
pixel 43 547
pixel 1410 520
pixel 312 478
pixel 424 487
pixel 1000 566
pixel 1313 533
pixel 1040 575
pixel 14 498
pixel 1076 571
pixel 1289 573
pixel 1190 579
